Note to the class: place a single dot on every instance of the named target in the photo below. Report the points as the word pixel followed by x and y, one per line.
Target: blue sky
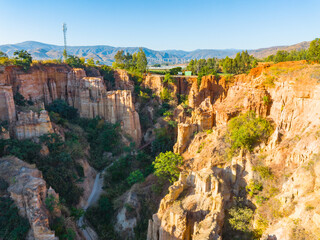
pixel 159 25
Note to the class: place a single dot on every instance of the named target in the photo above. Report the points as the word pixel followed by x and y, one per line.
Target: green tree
pixel 246 130
pixel 314 50
pixel 281 56
pixel 90 62
pixel 108 74
pixel 228 65
pixel 142 61
pixel 23 59
pixel 134 177
pixel 241 218
pixel 175 71
pixel 168 78
pixel 63 109
pixel 75 62
pixel 12 225
pixel 119 59
pixel 167 165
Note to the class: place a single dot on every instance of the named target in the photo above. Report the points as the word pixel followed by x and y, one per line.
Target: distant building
pixel 179 73
pixel 188 73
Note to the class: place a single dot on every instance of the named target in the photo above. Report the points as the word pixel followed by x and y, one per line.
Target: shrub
pixel 266 100
pixel 183 98
pixel 172 123
pixel 241 218
pixel 201 147
pixel 168 114
pixel 134 177
pixel 209 131
pixel 51 203
pixel 167 165
pixel 75 62
pixel 144 96
pixel 77 213
pixel 23 149
pixel 269 81
pixel 19 100
pixel 23 59
pixel 103 137
pixel 246 130
pixel 175 71
pixel 165 95
pixel 168 78
pixel 108 74
pixel 164 108
pixel 63 109
pixel 12 225
pixel 164 141
pixel 264 172
pixel 254 187
pixel 119 169
pixel 60 229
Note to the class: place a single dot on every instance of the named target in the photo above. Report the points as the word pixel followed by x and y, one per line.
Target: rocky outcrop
pixel 122 80
pixel 154 82
pixel 210 87
pixel 180 86
pixel 90 96
pixel 28 190
pixel 288 95
pixel 42 83
pixel 7 107
pixel 193 209
pixel 185 132
pixel 45 83
pixel 128 215
pixel 32 124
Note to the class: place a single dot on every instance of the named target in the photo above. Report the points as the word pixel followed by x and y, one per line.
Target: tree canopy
pixel 167 165
pixel 75 62
pixel 23 59
pixel 242 63
pixel 136 62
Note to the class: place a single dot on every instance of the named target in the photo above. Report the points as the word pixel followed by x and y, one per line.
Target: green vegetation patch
pixel 167 165
pixel 246 130
pixel 12 225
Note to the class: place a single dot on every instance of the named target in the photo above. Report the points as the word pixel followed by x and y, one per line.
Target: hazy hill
pixel 264 52
pixel 105 54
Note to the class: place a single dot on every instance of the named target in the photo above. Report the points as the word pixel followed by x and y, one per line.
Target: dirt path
pixel 96 192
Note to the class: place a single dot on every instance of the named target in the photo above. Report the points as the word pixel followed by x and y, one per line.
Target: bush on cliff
pixel 246 130
pixel 59 168
pixel 134 177
pixel 22 149
pixel 12 225
pixel 75 62
pixel 167 165
pixel 63 109
pixel 241 218
pixel 108 74
pixel 103 137
pixel 164 141
pixel 23 59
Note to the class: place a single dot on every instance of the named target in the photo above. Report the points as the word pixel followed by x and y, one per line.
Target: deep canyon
pixel 197 206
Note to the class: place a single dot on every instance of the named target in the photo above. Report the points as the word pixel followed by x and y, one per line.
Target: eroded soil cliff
pixel 285 166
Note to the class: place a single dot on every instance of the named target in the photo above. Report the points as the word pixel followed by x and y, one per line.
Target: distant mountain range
pixel 105 54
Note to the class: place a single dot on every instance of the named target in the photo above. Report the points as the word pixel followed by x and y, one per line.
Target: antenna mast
pixel 65 41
